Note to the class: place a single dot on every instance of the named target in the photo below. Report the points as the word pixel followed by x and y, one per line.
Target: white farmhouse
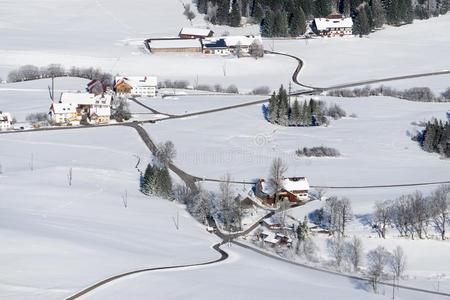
pixel 75 107
pixel 5 121
pixel 136 85
pixel 333 25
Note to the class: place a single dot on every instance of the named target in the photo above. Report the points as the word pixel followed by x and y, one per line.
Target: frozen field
pixel 375 147
pixel 58 239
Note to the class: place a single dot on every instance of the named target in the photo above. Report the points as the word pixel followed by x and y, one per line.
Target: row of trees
pixel 289 17
pixel 30 72
pixel 422 94
pixel 413 215
pixel 309 113
pixel 379 261
pixel 435 137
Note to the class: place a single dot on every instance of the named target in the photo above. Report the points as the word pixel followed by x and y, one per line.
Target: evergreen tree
pixel 273 108
pixel 223 8
pixel 165 183
pixel 148 181
pixel 258 15
pixel 283 104
pixel 280 24
pixel 307 7
pixel 322 8
pixel 298 23
pixel 346 7
pixel 406 11
pixel 392 12
pixel 202 6
pixel 235 15
pixel 378 14
pixel 296 114
pixel 306 117
pixel 267 25
pixel 361 24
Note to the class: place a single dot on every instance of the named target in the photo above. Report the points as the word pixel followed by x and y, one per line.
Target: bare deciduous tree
pixel 337 213
pixel 188 13
pixel 353 253
pixel 226 202
pixel 276 176
pixel 397 263
pixel 439 206
pixel 382 217
pixel 376 260
pixel 336 249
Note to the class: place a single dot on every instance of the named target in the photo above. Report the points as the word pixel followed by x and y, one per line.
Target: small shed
pixel 195 33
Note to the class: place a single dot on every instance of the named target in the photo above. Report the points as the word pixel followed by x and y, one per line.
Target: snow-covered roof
pixel 271 238
pixel 175 44
pixel 5 117
pixel 289 184
pixel 244 40
pixel 325 23
pixel 295 184
pixel 78 98
pixel 139 81
pixel 195 31
pixel 63 108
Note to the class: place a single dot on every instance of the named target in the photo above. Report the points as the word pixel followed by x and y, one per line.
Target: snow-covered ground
pixel 375 146
pixel 58 239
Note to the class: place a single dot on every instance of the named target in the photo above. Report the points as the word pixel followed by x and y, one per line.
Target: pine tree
pixel 322 8
pixel 267 25
pixel 307 7
pixel 235 15
pixel 148 181
pixel 378 14
pixel 223 8
pixel 280 24
pixel 361 25
pixel 296 114
pixel 306 116
pixel 165 183
pixel 258 15
pixel 346 7
pixel 298 22
pixel 283 104
pixel 273 108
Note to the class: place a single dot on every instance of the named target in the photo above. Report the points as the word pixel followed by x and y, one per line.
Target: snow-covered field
pixel 375 147
pixel 57 239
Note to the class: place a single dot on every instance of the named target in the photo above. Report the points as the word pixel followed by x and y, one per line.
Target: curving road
pixel 223 256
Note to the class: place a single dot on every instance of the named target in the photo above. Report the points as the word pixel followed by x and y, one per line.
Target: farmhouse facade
pixel 75 108
pixel 333 25
pixel 5 121
pixel 294 189
pixel 136 85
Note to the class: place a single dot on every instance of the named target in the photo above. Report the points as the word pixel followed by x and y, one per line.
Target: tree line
pixel 31 72
pixel 309 113
pixel 414 215
pixel 422 94
pixel 283 18
pixel 435 137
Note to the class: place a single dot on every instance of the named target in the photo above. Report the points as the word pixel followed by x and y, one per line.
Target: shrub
pixel 262 90
pixel 318 152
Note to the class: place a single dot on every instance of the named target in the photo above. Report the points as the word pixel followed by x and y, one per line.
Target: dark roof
pixel 216 44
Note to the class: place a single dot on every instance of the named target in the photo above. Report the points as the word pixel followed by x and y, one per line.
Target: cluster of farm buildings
pixel 198 40
pixel 94 105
